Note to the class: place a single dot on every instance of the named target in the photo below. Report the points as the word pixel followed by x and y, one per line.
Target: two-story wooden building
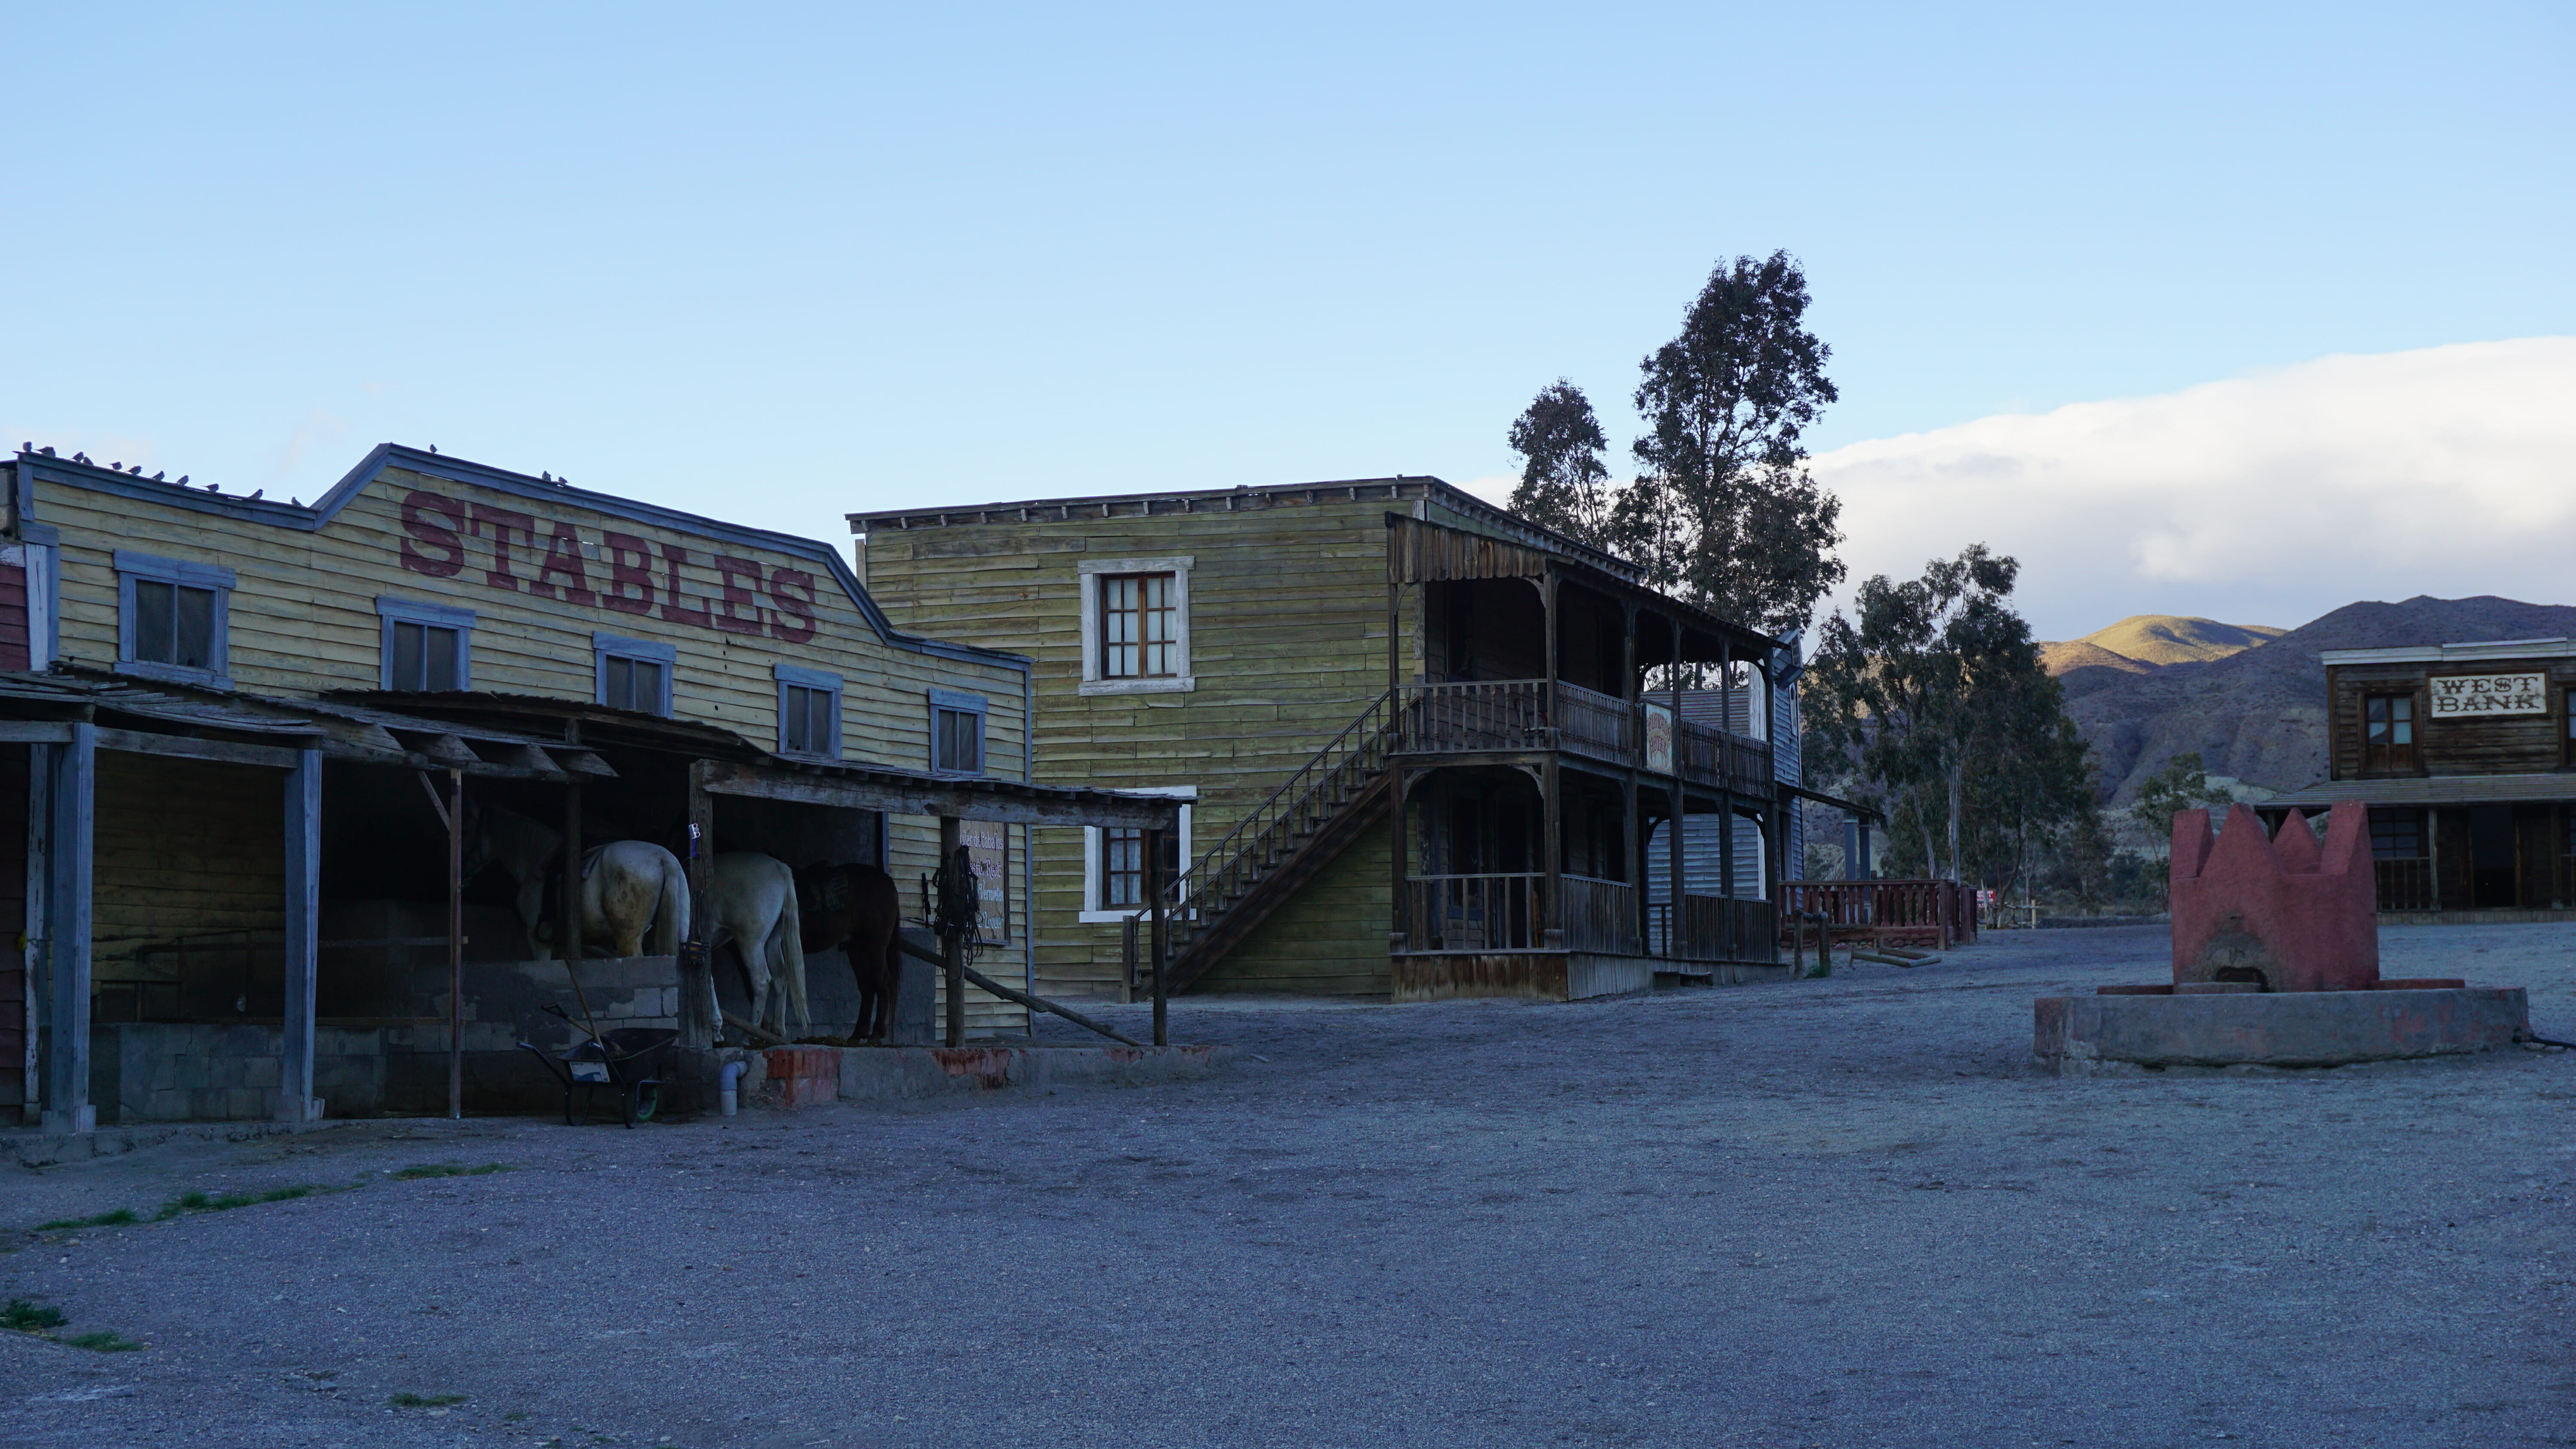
pixel 246 736
pixel 1425 747
pixel 2466 755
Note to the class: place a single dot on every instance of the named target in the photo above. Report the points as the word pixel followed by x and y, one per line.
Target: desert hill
pixel 2258 715
pixel 2178 639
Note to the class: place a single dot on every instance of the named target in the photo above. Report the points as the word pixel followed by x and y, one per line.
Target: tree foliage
pixel 1723 511
pixel 1935 703
pixel 2183 784
pixel 1564 485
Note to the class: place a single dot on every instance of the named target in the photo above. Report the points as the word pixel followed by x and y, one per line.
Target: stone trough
pixel 2275 963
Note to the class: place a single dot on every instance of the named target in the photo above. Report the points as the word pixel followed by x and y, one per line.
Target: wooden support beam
pixel 952 943
pixel 698 1027
pixel 72 807
pixel 583 762
pixel 34 732
pixel 999 800
pixel 303 843
pixel 1154 906
pixel 145 742
pixel 536 762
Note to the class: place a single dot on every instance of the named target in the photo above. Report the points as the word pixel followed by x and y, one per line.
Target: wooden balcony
pixel 1510 715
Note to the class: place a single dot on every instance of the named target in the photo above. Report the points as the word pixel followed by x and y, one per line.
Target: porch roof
pixel 2421 790
pixel 1419 551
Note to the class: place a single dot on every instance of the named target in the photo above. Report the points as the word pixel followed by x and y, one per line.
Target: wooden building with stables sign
pixel 244 741
pixel 2466 756
pixel 1424 748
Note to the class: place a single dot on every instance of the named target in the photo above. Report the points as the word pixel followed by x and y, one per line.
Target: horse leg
pixel 791 950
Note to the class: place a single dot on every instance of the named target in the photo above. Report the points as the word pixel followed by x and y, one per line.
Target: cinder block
pixel 265 1072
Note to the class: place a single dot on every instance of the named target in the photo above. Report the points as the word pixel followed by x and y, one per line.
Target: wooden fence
pixel 1601 915
pixel 1474 912
pixel 1937 914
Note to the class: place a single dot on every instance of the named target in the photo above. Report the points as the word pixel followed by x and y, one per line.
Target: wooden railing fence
pixel 1935 913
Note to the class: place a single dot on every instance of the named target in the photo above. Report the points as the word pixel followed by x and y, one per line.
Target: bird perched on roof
pixel 254 493
pixel 546 477
pixel 183 480
pixel 214 488
pixel 47 450
pixel 157 474
pixel 80 457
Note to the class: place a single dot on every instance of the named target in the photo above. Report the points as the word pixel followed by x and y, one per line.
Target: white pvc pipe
pixel 728 1086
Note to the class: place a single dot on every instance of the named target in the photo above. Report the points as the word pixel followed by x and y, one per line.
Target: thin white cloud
pixel 2269 498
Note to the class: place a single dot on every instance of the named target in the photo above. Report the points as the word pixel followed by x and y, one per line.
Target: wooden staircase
pixel 1279 845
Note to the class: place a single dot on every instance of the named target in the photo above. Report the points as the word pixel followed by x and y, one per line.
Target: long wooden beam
pixel 998 800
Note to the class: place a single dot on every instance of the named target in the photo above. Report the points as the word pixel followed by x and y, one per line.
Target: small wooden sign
pixel 2472 696
pixel 1659 738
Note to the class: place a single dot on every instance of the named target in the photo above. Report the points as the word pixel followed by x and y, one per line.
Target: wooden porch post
pixel 952 944
pixel 1154 917
pixel 71 790
pixel 1551 827
pixel 1628 820
pixel 455 943
pixel 699 1024
pixel 295 1099
pixel 1680 804
pixel 1726 798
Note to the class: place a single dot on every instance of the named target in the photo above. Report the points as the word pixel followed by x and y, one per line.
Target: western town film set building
pixel 1372 738
pixel 250 739
pixel 2466 756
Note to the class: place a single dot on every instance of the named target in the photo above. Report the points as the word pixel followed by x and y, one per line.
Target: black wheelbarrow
pixel 627 1060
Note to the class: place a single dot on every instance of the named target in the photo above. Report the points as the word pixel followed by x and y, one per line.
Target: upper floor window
pixel 956 732
pixel 2388 732
pixel 1135 625
pixel 809 711
pixel 633 673
pixel 172 618
pixel 425 647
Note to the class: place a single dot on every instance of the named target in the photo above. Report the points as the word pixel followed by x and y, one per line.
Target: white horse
pixel 627 886
pixel 751 901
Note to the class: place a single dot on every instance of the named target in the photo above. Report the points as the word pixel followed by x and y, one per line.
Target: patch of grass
pixel 25 1317
pixel 445 1169
pixel 200 1202
pixel 426 1401
pixel 116 1219
pixel 102 1342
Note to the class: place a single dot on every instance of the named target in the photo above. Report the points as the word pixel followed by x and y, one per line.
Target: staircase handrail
pixel 1259 823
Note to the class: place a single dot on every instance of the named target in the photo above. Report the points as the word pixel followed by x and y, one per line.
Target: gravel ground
pixel 1828 1213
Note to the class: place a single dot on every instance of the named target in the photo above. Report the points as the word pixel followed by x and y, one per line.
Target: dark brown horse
pixel 856 909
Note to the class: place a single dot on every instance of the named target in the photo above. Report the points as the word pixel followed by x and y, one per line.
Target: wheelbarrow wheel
pixel 646 1100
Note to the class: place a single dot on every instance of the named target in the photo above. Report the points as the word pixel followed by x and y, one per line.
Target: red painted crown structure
pixel 2277 914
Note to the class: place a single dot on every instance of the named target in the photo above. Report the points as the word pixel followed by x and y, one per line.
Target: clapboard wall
pixel 2501 744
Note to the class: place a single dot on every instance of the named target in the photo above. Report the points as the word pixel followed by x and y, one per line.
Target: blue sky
pixel 782 263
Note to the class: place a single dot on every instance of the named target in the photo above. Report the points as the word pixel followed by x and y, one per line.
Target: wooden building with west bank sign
pixel 2466 755
pixel 220 714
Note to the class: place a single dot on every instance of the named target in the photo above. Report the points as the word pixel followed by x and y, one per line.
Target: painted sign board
pixel 1659 738
pixel 988 845
pixel 2476 696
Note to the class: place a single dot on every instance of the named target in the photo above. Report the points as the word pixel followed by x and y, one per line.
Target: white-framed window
pixel 809 712
pixel 1135 625
pixel 172 619
pixel 957 732
pixel 633 673
pixel 426 647
pixel 1113 861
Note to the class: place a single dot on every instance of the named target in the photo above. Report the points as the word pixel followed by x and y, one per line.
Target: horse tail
pixel 674 907
pixel 791 946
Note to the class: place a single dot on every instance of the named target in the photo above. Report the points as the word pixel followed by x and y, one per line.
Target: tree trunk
pixel 1958 784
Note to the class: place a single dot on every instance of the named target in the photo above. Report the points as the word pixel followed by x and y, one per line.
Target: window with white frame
pixel 956 732
pixel 633 673
pixel 172 618
pixel 1113 861
pixel 809 712
pixel 426 647
pixel 1135 625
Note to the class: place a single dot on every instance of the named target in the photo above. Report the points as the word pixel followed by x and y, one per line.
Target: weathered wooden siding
pixel 304 614
pixel 187 849
pixel 13 907
pixel 1329 939
pixel 1287 630
pixel 2515 744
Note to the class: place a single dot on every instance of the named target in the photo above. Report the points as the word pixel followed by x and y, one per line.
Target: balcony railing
pixel 2406 885
pixel 1601 915
pixel 1704 936
pixel 1475 912
pixel 1531 714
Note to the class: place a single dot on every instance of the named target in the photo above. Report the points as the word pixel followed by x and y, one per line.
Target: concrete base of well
pixel 2075 1034
pixel 899 1073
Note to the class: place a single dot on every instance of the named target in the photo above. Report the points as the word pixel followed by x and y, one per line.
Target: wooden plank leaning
pixel 1037 1003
